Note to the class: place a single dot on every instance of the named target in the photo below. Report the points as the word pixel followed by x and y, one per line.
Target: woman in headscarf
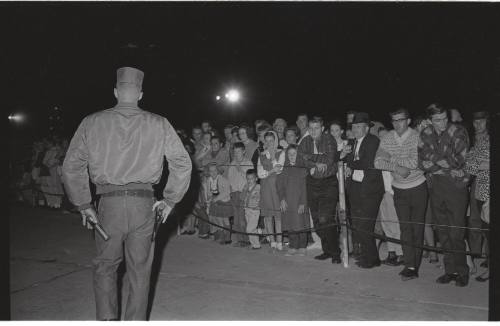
pixel 291 186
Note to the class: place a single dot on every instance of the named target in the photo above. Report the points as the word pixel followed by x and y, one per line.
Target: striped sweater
pixel 403 151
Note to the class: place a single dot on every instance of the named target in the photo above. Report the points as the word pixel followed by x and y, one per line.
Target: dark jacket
pixel 373 182
pixel 327 154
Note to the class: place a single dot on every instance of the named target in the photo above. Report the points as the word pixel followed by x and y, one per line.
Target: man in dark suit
pixel 365 188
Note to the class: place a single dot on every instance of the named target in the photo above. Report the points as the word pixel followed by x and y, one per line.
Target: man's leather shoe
pixel 323 256
pixel 336 259
pixel 408 274
pixel 462 280
pixel 368 265
pixel 483 277
pixel 446 278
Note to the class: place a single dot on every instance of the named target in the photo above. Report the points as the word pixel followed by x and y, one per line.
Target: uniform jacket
pixel 123 148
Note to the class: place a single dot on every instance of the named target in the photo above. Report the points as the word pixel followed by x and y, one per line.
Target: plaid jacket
pixel 451 146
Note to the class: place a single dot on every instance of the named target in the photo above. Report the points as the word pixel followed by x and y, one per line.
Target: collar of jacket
pixel 125 105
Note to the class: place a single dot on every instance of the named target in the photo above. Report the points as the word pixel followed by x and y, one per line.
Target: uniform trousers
pixel 449 204
pixel 129 222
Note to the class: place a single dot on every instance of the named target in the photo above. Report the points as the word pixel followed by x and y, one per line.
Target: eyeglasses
pixel 437 120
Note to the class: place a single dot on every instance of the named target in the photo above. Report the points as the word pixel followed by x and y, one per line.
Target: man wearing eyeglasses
pixel 398 153
pixel 442 152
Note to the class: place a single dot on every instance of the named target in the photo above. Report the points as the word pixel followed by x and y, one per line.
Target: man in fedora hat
pixel 365 188
pixel 122 149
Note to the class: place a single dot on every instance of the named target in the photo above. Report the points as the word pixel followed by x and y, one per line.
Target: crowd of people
pixel 39 182
pixel 424 182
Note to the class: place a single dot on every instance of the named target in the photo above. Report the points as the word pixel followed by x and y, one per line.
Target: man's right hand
pixel 348 172
pixel 283 205
pixel 165 209
pixel 89 214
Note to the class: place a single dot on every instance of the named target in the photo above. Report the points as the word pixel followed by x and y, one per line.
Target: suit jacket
pixel 373 183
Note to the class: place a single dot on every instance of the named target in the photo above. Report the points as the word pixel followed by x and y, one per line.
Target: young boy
pixel 219 207
pixel 237 181
pixel 251 200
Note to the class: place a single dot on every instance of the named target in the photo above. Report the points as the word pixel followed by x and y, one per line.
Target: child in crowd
pixel 203 149
pixel 291 186
pixel 219 208
pixel 250 196
pixel 269 165
pixel 236 174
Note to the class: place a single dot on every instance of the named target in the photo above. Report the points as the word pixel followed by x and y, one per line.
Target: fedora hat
pixel 362 117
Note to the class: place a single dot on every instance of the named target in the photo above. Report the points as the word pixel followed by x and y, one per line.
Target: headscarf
pixel 298 170
pixel 276 140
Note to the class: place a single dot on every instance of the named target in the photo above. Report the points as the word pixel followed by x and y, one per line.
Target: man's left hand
pixel 89 214
pixel 321 167
pixel 165 209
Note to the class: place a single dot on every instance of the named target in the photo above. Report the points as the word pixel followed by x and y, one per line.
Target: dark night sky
pixel 320 58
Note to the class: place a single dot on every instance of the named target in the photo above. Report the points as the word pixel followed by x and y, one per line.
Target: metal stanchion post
pixel 342 215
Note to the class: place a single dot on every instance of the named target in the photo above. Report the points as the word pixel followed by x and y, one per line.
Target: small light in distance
pixel 16 117
pixel 217 98
pixel 233 96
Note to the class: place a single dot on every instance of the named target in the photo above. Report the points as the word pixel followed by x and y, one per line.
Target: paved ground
pixel 201 280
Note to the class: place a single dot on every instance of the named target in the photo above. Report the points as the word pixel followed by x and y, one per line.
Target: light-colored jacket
pixel 123 148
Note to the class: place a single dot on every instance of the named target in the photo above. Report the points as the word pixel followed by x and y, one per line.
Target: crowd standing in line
pixel 414 183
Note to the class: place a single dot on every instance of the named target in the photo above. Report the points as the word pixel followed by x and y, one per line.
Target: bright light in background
pixel 233 95
pixel 16 117
pixel 217 97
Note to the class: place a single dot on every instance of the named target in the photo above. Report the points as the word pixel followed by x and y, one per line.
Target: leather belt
pixel 131 192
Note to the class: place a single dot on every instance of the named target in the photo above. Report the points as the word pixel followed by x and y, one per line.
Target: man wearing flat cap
pixel 122 150
pixel 365 188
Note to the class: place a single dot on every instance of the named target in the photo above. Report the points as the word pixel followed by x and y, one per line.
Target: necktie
pixel 356 152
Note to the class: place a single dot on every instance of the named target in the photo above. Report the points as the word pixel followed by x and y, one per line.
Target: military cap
pixel 130 76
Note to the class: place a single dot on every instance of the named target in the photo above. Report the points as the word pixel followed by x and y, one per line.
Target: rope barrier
pixel 381 220
pixel 329 225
